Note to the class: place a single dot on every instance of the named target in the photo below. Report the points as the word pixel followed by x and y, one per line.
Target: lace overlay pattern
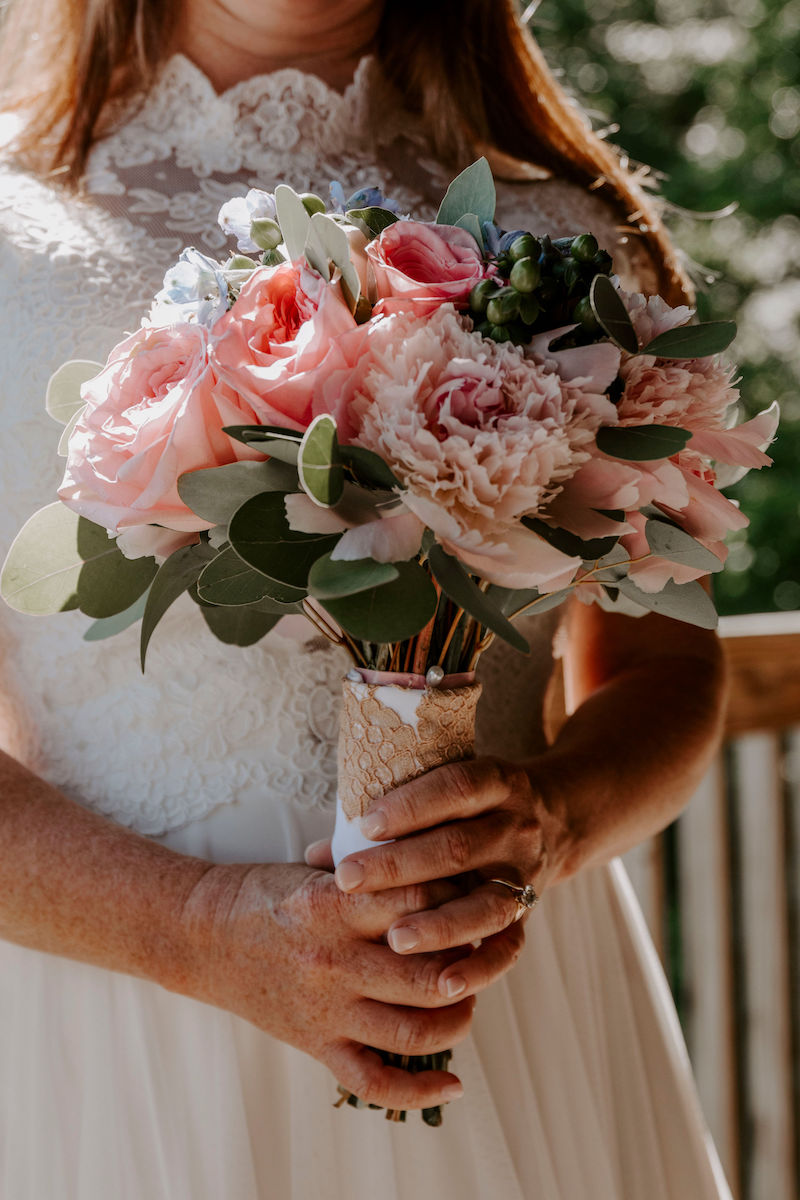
pixel 158 751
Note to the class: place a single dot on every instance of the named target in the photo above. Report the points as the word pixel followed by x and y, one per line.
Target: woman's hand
pixel 482 817
pixel 283 947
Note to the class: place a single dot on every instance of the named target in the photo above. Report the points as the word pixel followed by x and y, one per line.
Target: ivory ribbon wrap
pixel 389 735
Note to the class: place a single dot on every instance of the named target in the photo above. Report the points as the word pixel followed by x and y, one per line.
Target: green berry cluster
pixel 540 284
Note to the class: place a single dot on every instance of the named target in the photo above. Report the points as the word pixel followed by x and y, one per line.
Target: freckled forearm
pixel 630 757
pixel 75 884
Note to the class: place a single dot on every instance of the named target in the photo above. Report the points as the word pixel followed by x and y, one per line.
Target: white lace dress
pixel 577 1080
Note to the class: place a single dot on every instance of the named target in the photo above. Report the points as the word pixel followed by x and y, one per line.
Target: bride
pixel 178 988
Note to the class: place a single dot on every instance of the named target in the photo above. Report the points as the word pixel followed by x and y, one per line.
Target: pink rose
pixel 419 266
pixel 270 345
pixel 155 411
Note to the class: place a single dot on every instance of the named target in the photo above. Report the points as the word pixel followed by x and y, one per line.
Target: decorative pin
pixel 434 676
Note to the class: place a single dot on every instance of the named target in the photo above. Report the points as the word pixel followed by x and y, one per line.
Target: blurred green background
pixel 708 93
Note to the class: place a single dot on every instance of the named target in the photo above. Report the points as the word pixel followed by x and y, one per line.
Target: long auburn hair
pixel 64 59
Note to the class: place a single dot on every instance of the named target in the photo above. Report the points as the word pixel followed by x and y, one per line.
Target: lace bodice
pixel 207 722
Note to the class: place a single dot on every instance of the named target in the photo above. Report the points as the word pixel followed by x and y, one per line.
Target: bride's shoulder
pixel 561 207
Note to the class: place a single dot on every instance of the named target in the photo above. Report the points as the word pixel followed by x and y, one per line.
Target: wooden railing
pixel 720 889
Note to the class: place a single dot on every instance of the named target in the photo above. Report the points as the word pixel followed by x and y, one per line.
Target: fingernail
pixel 349 875
pixel 453 1091
pixel 455 985
pixel 373 825
pixel 314 846
pixel 403 939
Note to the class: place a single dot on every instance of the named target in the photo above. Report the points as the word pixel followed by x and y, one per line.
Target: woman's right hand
pixel 284 948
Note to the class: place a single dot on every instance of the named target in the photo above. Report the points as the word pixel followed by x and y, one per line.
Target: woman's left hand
pixel 483 818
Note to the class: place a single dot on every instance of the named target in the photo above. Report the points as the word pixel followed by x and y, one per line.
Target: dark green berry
pixel 584 248
pixel 572 273
pixel 499 333
pixel 503 307
pixel 602 262
pixel 481 294
pixel 525 246
pixel 525 275
pixel 584 313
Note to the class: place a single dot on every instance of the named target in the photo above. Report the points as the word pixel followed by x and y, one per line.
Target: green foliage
pixel 708 96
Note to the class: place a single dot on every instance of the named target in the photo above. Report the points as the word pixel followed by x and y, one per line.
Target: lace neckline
pixel 182 117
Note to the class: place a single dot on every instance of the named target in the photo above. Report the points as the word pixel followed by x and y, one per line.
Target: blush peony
pixel 269 346
pixel 478 435
pixel 155 411
pixel 418 266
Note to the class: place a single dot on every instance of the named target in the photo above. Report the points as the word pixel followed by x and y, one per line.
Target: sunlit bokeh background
pixel 708 93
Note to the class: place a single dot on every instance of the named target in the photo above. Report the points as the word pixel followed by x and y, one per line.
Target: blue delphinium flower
pixel 369 197
pixel 195 290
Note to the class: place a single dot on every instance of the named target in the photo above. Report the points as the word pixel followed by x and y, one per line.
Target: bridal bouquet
pixel 411 433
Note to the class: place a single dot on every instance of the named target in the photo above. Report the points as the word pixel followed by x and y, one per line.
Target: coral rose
pixel 419 266
pixel 155 411
pixel 270 344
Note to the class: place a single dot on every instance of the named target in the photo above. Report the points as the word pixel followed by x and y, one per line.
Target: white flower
pixel 195 290
pixel 237 215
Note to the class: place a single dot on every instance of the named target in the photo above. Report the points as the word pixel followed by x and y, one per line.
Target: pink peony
pixel 478 435
pixel 155 411
pixel 270 345
pixel 419 266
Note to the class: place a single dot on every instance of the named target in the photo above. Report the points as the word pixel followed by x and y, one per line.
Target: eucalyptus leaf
pixel 316 254
pixel 368 467
pixel 454 580
pixel 261 536
pixel 391 612
pixel 472 191
pixel 611 314
pixel 173 578
pixel 285 449
pixel 109 583
pixel 687 602
pixel 293 219
pixel 66 433
pixel 334 239
pixel 239 626
pixel 670 542
pixel 471 223
pixel 692 341
pixel 228 580
pixel 641 443
pixel 329 579
pixel 374 219
pixel 63 396
pixel 533 605
pixel 108 627
pixel 42 569
pixel 319 463
pixel 215 493
pixel 570 543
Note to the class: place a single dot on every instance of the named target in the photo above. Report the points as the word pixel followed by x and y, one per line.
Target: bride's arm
pixel 278 944
pixel 650 697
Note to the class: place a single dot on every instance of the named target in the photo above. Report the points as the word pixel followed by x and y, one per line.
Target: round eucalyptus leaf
pixel 391 612
pixel 63 396
pixel 692 341
pixel 260 534
pixel 670 542
pixel 239 626
pixel 319 463
pixel 228 580
pixel 42 568
pixel 611 314
pixel 329 578
pixel 109 583
pixel 641 443
pixel 216 492
pixel 454 580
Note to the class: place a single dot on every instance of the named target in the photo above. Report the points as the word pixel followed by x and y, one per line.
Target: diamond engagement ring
pixel 525 897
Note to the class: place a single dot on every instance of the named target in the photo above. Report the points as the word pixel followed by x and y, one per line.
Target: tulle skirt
pixel 578 1086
